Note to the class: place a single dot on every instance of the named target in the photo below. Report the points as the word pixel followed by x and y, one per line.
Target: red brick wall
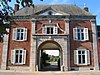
pixel 21 44
pixel 99 50
pixel 78 44
pixel 39 24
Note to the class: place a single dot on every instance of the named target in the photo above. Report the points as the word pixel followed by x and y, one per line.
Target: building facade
pixel 66 28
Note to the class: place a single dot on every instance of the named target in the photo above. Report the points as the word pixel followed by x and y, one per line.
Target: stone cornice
pixel 54 17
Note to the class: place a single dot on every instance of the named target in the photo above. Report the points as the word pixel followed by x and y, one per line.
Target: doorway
pixel 49 56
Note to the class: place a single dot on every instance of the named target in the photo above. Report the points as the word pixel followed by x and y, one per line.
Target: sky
pixel 93 5
pixel 52 52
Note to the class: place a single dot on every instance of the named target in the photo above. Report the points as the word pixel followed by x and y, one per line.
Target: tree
pixel 44 58
pixel 6 11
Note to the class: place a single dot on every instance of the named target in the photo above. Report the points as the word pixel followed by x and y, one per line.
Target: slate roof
pixel 68 9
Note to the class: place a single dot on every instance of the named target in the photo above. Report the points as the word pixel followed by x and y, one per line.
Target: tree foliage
pixel 5 13
pixel 44 58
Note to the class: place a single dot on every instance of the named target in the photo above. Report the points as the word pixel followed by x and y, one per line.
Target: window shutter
pixel 55 31
pixel 14 36
pixel 75 56
pixel 43 29
pixel 86 37
pixel 13 56
pixel 25 34
pixel 88 57
pixel 75 34
pixel 24 56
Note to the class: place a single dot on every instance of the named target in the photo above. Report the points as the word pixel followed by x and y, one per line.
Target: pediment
pixel 51 11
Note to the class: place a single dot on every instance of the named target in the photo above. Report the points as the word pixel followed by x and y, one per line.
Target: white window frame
pixel 15 34
pixel 85 33
pixel 13 56
pixel 76 57
pixel 55 29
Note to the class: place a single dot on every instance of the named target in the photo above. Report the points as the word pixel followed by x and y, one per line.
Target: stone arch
pixel 51 45
pixel 49 41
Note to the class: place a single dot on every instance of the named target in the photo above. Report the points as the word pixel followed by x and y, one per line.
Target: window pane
pixel 82 36
pixel 16 58
pixel 79 59
pixel 78 36
pixel 20 59
pixel 18 30
pixel 20 51
pixel 79 52
pixel 82 30
pixel 83 52
pixel 17 51
pixel 21 30
pixel 48 30
pixel 83 58
pixel 21 36
pixel 20 33
pixel 18 36
pixel 78 30
pixel 51 30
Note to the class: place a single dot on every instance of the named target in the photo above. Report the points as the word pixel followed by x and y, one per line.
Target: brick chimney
pixel 16 8
pixel 86 8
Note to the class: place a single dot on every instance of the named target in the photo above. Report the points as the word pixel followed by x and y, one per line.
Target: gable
pixel 56 9
pixel 51 12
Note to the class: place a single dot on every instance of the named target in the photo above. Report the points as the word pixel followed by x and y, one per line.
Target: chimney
pixel 16 8
pixel 86 8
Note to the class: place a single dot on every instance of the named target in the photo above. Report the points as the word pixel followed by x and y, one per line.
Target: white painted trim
pixel 75 36
pixel 47 25
pixel 86 57
pixel 23 56
pixel 14 36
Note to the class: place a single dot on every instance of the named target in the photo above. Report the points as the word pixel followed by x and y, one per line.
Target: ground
pixel 51 73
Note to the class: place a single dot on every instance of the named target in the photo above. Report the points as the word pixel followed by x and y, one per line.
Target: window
pixel 80 33
pixel 18 56
pixel 20 34
pixel 81 57
pixel 50 30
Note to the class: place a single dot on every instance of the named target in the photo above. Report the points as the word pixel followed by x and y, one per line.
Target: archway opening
pixel 49 56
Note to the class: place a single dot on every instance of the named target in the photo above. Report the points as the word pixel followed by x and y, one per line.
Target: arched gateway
pixel 49 45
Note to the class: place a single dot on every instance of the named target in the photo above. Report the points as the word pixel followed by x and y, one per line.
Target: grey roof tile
pixel 68 9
